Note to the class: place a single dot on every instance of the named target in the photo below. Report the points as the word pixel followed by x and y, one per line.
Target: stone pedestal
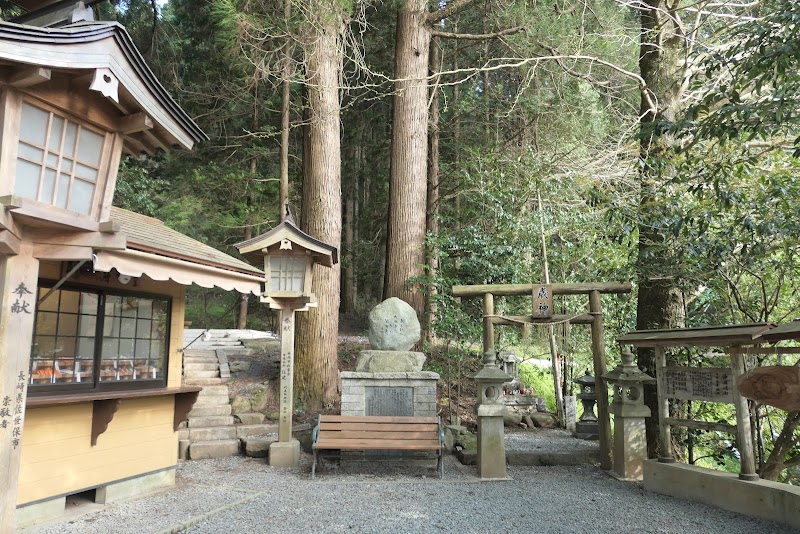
pixel 491 442
pixel 284 453
pixel 411 393
pixel 491 458
pixel 630 445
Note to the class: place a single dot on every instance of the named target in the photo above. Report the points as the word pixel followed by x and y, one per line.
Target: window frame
pixel 95 384
pixel 102 167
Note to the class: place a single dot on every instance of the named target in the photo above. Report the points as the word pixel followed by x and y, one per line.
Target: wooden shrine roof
pixel 718 336
pixel 89 45
pixel 789 330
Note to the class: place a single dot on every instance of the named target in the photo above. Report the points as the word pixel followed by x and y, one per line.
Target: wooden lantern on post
pixel 288 255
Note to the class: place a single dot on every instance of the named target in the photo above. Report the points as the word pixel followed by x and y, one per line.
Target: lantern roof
pixel 104 48
pixel 254 250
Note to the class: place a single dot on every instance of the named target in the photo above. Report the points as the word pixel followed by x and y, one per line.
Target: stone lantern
pixel 587 427
pixel 630 443
pixel 288 255
pixel 491 408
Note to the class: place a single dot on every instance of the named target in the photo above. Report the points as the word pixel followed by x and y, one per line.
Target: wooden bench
pixel 378 433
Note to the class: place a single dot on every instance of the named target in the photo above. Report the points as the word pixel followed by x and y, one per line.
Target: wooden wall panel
pixel 139 439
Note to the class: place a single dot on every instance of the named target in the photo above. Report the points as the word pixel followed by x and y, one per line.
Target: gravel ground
pixel 241 495
pixel 549 440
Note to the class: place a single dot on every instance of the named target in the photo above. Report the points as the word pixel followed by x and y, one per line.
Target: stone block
pixel 202 381
pixel 40 512
pixel 210 409
pixel 213 449
pixel 257 446
pixel 284 453
pixel 345 375
pixel 183 449
pixel 255 430
pixel 423 375
pixel 347 398
pixel 762 499
pixel 183 433
pixel 212 433
pixel 249 418
pixel 260 398
pixel 210 420
pixel 132 487
pixel 211 400
pixel 240 404
pixel 214 390
pixel 389 361
pixel 393 325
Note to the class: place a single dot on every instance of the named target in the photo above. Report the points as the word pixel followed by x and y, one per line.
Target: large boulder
pixel 393 325
pixel 389 361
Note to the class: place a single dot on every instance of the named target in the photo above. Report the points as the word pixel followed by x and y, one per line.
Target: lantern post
pixel 288 255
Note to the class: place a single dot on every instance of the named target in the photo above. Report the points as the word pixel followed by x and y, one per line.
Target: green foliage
pixel 541 381
pixel 753 82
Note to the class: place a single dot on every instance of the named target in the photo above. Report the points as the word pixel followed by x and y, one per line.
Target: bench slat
pixel 380 427
pixel 376 419
pixel 382 436
pixel 367 444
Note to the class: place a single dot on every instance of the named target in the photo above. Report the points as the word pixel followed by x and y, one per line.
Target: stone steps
pixel 191 367
pixel 212 431
pixel 223 448
pixel 211 420
pixel 210 409
pixel 246 431
pixel 202 381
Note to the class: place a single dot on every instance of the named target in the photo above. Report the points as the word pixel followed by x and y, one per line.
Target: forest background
pixel 495 141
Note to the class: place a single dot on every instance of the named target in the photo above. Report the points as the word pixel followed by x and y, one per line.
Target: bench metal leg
pixel 440 465
pixel 314 466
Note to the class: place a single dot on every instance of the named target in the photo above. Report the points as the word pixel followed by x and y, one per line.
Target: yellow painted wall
pixel 57 456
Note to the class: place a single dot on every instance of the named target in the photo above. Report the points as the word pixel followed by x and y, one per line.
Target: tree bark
pixel 432 211
pixel 316 371
pixel 660 301
pixel 405 243
pixel 285 117
pixel 776 462
pixel 348 269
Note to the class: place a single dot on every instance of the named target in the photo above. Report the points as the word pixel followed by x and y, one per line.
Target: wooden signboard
pixel 712 384
pixel 776 385
pixel 542 301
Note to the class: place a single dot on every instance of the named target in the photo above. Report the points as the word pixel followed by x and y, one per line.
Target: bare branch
pixel 478 36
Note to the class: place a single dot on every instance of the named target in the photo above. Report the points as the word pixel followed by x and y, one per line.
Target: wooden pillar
pixel 599 357
pixel 18 278
pixel 488 327
pixel 287 375
pixel 744 436
pixel 664 434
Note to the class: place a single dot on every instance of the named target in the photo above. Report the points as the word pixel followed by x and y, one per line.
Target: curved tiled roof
pixel 41 46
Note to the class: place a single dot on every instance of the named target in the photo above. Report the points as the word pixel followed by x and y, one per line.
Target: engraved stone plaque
pixel 383 400
pixel 713 384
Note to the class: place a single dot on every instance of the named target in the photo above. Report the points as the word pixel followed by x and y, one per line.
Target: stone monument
pixel 389 379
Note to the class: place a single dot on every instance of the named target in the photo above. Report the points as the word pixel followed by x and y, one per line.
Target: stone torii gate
pixel 594 318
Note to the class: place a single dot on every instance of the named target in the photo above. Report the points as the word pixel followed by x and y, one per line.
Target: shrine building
pixel 92 296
